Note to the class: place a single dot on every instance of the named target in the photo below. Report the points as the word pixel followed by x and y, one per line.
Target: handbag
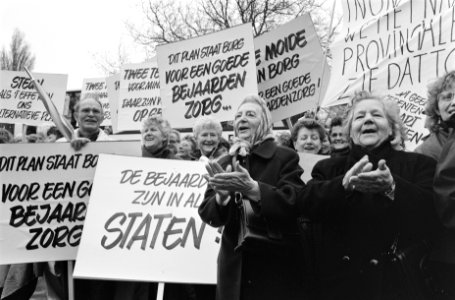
pixel 408 265
pixel 255 233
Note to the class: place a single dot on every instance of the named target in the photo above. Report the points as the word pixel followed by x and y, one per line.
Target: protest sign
pixel 393 48
pixel 139 94
pixel 98 86
pixel 19 101
pixel 307 162
pixel 45 188
pixel 290 63
pixel 143 224
pixel 113 90
pixel 207 75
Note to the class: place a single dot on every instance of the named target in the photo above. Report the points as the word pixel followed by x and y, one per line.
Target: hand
pixel 237 181
pixel 363 165
pixel 78 143
pixel 377 181
pixel 214 168
pixel 222 197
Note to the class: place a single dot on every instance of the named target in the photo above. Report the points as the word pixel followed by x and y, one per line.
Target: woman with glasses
pixel 439 110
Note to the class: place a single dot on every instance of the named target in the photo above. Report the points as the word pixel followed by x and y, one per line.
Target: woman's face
pixel 325 145
pixel 370 126
pixel 308 141
pixel 185 148
pixel 152 137
pixel 173 139
pixel 446 104
pixel 247 121
pixel 207 140
pixel 337 138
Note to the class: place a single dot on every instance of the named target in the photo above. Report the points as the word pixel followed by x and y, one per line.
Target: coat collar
pixel 160 153
pixel 383 151
pixel 266 149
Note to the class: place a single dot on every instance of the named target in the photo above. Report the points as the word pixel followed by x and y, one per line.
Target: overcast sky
pixel 68 36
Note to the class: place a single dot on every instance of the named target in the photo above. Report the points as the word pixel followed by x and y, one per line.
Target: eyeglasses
pixel 446 96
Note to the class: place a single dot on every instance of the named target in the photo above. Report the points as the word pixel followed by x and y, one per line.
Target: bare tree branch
pixel 111 65
pixel 168 21
pixel 19 55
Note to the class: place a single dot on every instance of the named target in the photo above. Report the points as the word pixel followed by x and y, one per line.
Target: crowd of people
pixel 348 233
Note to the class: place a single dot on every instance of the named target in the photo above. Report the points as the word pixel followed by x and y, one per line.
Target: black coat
pixel 358 228
pixel 444 186
pixel 265 274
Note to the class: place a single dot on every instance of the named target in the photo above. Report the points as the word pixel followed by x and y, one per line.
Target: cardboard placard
pixel 207 75
pixel 45 189
pixel 139 94
pixel 393 48
pixel 19 100
pixel 290 63
pixel 143 224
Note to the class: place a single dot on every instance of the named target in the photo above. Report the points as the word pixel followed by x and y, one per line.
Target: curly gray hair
pixel 392 112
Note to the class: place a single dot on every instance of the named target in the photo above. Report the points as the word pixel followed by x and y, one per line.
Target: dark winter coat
pixel 268 273
pixel 444 186
pixel 358 228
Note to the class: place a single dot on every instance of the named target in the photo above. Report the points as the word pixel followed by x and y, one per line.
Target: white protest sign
pixel 207 75
pixel 393 48
pixel 143 224
pixel 98 86
pixel 45 188
pixel 290 63
pixel 307 162
pixel 139 94
pixel 19 100
pixel 113 89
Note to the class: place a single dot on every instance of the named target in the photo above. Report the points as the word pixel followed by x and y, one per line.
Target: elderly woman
pixel 307 136
pixel 266 177
pixel 155 138
pixel 155 144
pixel 367 202
pixel 440 111
pixel 207 133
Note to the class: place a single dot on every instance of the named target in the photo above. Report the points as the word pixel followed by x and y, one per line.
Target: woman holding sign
pixel 260 180
pixel 375 205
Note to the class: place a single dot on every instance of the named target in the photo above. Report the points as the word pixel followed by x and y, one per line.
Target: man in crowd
pixel 88 113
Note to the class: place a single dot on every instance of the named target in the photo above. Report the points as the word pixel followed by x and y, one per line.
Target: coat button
pixel 374 262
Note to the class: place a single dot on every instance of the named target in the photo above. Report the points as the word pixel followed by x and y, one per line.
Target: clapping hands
pixel 361 177
pixel 231 180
